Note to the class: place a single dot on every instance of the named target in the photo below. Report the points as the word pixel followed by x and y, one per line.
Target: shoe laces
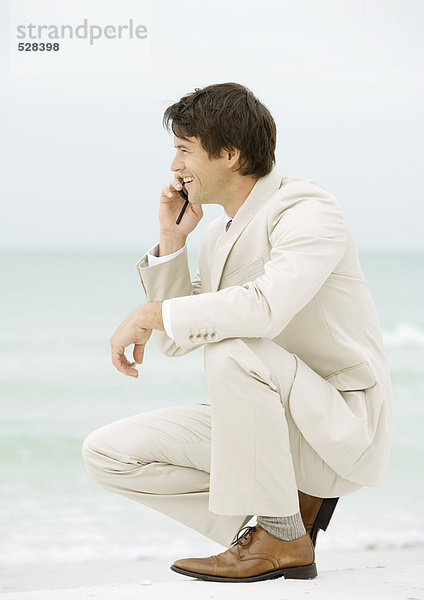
pixel 244 534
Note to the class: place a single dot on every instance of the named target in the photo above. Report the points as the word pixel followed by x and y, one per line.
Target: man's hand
pixel 173 236
pixel 135 329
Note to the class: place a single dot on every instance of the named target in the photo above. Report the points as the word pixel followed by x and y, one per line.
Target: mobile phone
pixel 184 195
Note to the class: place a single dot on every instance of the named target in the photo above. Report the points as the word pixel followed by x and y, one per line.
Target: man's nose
pixel 177 164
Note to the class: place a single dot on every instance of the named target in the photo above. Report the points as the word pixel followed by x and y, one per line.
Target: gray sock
pixel 284 528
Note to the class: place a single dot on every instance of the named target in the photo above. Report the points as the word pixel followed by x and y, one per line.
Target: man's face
pixel 205 179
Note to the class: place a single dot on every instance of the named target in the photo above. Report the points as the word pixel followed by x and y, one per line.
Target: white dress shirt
pixel 153 258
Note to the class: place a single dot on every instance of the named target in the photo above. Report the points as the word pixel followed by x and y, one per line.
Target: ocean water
pixel 57 384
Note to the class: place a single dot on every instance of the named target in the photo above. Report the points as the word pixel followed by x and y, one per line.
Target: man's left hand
pixel 135 329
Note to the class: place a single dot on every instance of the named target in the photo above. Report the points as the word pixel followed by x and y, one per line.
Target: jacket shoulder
pixel 306 206
pixel 294 185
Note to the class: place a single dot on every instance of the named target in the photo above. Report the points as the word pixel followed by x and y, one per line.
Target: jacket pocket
pixel 245 273
pixel 358 377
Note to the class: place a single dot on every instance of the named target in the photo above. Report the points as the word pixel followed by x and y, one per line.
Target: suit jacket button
pixel 192 338
pixel 214 336
pixel 199 337
pixel 207 337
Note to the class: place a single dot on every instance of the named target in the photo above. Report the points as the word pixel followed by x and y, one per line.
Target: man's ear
pixel 232 157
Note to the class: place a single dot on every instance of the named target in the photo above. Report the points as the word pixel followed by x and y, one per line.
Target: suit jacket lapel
pixel 264 188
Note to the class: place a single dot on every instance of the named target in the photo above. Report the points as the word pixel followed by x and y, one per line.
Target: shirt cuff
pixel 153 257
pixel 166 317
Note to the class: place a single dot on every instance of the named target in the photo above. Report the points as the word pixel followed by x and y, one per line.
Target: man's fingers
pixel 176 184
pixel 138 353
pixel 166 192
pixel 120 362
pixel 129 332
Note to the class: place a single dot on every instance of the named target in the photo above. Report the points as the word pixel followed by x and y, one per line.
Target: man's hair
pixel 224 116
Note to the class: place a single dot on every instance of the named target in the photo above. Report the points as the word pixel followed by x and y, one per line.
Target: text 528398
pixel 38 47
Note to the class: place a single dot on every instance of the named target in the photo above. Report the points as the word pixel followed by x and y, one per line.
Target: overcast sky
pixel 83 153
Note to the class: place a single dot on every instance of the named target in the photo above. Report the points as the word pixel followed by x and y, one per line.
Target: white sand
pixel 397 575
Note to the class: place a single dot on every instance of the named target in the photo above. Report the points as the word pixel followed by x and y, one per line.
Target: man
pixel 300 395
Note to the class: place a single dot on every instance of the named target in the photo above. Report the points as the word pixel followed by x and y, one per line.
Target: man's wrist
pixel 150 315
pixel 168 244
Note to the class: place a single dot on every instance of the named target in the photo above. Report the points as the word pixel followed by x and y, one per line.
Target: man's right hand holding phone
pixel 173 236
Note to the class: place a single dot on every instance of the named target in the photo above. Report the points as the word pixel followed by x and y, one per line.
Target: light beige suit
pixel 299 383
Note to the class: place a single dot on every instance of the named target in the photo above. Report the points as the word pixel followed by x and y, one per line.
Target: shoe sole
pixel 306 572
pixel 323 517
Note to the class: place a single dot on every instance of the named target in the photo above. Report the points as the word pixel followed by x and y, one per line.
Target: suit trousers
pixel 212 466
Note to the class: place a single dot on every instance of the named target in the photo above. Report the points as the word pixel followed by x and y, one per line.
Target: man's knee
pixel 244 358
pixel 104 459
pixel 94 457
pixel 236 355
pixel 221 356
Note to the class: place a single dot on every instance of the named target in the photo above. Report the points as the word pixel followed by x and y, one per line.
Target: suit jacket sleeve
pixel 169 280
pixel 307 241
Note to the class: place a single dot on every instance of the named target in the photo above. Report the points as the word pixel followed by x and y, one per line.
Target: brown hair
pixel 224 116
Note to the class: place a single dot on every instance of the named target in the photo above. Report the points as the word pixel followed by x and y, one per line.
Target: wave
pixel 404 335
pixel 84 550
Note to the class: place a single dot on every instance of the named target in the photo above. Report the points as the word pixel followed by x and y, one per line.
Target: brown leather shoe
pixel 255 555
pixel 316 513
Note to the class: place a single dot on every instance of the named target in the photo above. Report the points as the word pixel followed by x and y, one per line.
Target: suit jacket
pixel 288 270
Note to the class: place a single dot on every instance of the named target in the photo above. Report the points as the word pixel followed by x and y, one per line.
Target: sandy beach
pixel 397 575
